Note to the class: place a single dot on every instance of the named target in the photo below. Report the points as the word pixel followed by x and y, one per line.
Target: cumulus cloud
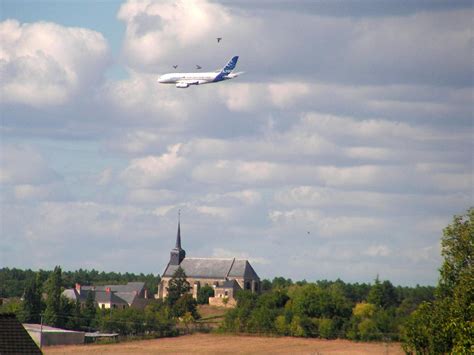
pixel 152 170
pixel 184 25
pixel 22 165
pixel 45 63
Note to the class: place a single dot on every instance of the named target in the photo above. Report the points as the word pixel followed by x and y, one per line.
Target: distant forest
pixel 13 281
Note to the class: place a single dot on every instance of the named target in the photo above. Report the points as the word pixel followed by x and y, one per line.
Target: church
pixel 226 276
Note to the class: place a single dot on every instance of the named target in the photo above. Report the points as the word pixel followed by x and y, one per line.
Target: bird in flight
pixel 198 67
pixel 219 39
pixel 175 66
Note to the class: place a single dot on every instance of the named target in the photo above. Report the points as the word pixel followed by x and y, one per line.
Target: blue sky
pixel 341 153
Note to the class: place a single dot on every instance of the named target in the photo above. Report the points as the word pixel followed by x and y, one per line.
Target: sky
pixel 342 152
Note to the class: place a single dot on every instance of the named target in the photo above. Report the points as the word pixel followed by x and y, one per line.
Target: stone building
pixel 226 276
pixel 133 294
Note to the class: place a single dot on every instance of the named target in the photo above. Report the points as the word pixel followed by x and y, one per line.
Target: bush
pixel 204 293
pixel 327 329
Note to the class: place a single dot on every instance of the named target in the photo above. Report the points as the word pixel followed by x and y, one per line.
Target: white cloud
pixel 152 170
pixel 378 250
pixel 225 253
pixel 154 30
pixel 150 196
pixel 44 63
pixel 285 94
pixel 219 212
pixel 21 164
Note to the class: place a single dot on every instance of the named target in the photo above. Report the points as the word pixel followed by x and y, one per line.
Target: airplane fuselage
pixel 198 78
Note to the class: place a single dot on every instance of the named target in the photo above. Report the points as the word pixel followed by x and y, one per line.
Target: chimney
pixel 78 288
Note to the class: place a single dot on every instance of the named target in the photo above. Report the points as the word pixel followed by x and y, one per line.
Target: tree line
pixel 327 309
pixel 13 281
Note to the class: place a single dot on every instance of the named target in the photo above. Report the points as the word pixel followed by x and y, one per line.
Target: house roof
pixel 119 294
pixel 213 268
pixel 229 284
pixel 14 339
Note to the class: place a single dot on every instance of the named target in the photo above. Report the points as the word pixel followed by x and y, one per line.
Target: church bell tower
pixel 177 254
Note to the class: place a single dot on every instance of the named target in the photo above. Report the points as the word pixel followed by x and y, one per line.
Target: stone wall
pixel 219 302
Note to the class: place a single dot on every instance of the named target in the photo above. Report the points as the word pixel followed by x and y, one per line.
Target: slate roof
pixel 229 284
pixel 213 268
pixel 14 339
pixel 120 294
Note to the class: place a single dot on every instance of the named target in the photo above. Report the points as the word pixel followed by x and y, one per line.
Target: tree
pixel 383 294
pixel 446 324
pixel 53 300
pixel 90 310
pixel 185 304
pixel 458 252
pixel 32 303
pixel 204 293
pixel 177 286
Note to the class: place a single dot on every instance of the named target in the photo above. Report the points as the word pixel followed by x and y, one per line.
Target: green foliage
pixel 266 285
pixel 204 293
pixel 383 294
pixel 90 311
pixel 52 312
pixel 177 286
pixel 281 282
pixel 458 253
pixel 314 301
pixel 281 325
pixel 32 304
pixel 185 304
pixel 446 325
pixel 327 328
pixel 12 305
pixel 13 282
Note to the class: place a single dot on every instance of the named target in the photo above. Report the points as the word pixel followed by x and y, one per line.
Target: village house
pixel 226 276
pixel 133 294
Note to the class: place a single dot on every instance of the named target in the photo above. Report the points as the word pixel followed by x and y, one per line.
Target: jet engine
pixel 182 85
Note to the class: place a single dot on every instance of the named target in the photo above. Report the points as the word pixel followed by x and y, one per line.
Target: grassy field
pixel 216 343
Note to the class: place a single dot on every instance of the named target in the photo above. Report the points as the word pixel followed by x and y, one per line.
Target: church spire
pixel 177 254
pixel 178 236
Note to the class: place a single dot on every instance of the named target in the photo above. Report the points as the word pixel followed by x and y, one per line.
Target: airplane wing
pixel 186 83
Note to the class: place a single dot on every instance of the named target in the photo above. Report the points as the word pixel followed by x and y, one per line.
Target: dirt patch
pixel 207 311
pixel 210 343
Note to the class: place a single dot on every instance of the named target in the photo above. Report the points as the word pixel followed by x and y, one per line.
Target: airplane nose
pixel 160 79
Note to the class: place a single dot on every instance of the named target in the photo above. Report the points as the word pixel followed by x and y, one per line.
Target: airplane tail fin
pixel 230 66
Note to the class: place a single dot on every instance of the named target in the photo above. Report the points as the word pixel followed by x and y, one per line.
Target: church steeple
pixel 178 237
pixel 177 254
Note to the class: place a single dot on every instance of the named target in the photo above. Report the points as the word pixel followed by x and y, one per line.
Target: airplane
pixel 198 67
pixel 219 39
pixel 184 80
pixel 175 66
